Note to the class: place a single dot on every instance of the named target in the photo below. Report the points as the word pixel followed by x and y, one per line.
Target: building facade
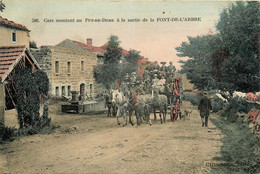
pixel 68 68
pixel 14 56
pixel 13 34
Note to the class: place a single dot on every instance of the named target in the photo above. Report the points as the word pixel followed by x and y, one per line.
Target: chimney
pixel 89 42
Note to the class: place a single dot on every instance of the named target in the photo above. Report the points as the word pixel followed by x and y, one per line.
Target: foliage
pixel 132 56
pixel 29 86
pixel 127 67
pixel 234 106
pixel 192 97
pixel 111 70
pixel 10 133
pixel 2 6
pixel 33 44
pixel 199 50
pixel 248 158
pixel 6 133
pixel 228 60
pixel 239 28
pixel 106 74
pixel 130 64
pixel 113 52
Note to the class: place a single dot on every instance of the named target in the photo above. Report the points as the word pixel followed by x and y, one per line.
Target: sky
pixel 155 40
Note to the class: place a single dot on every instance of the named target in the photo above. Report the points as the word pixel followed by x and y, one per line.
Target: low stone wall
pixel 86 107
pixel 93 107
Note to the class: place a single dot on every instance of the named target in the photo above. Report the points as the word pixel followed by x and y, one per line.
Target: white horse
pixel 160 103
pixel 121 102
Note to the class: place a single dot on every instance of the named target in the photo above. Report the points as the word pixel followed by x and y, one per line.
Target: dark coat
pixel 205 106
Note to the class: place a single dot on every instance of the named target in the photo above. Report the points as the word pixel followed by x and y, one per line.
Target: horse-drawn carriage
pixel 152 93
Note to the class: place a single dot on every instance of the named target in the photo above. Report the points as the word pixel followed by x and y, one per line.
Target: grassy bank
pixel 241 149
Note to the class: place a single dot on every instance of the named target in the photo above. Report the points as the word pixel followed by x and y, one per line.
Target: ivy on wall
pixel 30 85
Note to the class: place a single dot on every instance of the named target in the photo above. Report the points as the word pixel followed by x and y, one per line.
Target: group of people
pixel 153 76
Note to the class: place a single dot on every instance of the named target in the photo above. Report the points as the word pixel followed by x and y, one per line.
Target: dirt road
pixel 95 144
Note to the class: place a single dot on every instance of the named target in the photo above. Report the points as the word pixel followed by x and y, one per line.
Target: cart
pixel 175 107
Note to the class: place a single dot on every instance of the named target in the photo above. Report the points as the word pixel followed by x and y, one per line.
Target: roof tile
pixel 8 56
pixel 11 24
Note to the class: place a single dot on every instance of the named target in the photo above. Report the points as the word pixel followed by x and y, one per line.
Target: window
pixel 63 90
pixel 82 65
pixel 14 36
pixel 68 90
pixel 69 67
pixel 56 66
pixel 57 91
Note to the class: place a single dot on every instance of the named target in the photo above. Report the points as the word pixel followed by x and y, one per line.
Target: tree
pixel 107 73
pixel 239 29
pixel 198 67
pixel 2 6
pixel 130 64
pixel 229 59
pixel 132 56
pixel 33 44
pixel 113 52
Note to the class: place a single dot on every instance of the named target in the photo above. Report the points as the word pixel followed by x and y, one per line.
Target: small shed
pixel 12 60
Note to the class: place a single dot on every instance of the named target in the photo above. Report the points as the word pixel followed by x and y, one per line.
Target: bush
pixel 192 97
pixel 217 104
pixel 10 133
pixel 7 133
pixel 234 106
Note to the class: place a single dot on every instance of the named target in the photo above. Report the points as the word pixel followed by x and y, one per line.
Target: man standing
pixel 205 107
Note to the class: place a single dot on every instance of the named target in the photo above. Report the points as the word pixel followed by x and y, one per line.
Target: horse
pixel 160 103
pixel 122 104
pixel 167 90
pixel 141 105
pixel 109 104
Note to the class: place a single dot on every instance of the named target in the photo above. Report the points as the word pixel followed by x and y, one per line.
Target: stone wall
pixel 2 104
pixel 76 76
pixel 61 81
pixel 44 58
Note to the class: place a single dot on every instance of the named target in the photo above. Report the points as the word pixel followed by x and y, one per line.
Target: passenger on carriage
pixel 155 81
pixel 171 69
pixel 163 68
pixel 156 66
pixel 162 80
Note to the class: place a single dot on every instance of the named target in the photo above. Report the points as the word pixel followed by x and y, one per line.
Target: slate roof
pixel 10 56
pixel 11 24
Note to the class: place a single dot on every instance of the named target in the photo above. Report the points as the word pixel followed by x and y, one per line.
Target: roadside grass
pixel 11 133
pixel 240 150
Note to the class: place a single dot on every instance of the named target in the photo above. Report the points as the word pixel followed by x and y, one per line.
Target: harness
pixel 135 98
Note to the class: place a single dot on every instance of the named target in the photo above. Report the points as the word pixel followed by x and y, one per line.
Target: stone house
pixel 69 67
pixel 99 51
